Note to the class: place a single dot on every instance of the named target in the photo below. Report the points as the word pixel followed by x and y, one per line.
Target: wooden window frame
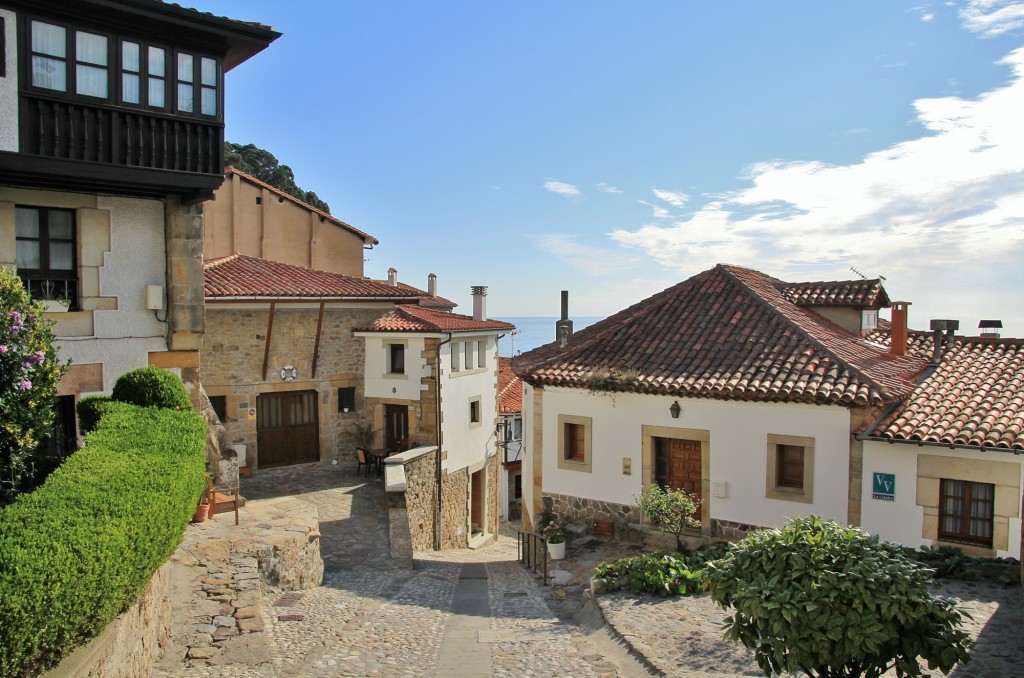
pixel 45 272
pixel 967 513
pixel 394 348
pixel 584 464
pixel 776 487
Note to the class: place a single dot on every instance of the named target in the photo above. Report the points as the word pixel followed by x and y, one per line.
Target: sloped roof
pixel 974 397
pixel 726 333
pixel 239 275
pixel 510 388
pixel 231 170
pixel 408 318
pixel 919 342
pixel 856 293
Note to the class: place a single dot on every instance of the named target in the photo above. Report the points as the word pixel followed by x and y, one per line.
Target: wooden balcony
pixel 79 146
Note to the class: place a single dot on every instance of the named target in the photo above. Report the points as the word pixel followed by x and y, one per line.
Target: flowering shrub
pixel 29 374
pixel 554 532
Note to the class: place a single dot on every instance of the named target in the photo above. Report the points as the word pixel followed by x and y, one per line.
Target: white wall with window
pixel 935 496
pixel 100 252
pixel 467 442
pixel 385 376
pixel 738 435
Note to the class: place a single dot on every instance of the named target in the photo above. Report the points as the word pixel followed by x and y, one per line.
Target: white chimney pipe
pixel 393 276
pixel 432 285
pixel 479 302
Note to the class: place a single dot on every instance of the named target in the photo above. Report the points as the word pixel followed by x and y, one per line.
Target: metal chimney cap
pixel 945 325
pixel 985 324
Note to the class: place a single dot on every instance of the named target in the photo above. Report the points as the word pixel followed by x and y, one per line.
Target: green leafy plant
pixel 605 379
pixel 554 532
pixel 363 434
pixel 659 574
pixel 152 387
pixel 90 410
pixel 79 550
pixel 823 599
pixel 670 510
pixel 29 375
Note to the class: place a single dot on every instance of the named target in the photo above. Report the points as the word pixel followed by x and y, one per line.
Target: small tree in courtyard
pixel 29 374
pixel 670 510
pixel 822 599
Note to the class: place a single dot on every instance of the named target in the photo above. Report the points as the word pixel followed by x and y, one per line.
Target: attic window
pixel 868 320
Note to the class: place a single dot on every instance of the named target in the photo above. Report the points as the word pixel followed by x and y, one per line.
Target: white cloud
pixel 928 213
pixel 993 17
pixel 561 187
pixel 591 260
pixel 607 188
pixel 674 198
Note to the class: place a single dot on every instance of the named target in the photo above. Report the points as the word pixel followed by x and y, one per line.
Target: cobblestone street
pixel 479 613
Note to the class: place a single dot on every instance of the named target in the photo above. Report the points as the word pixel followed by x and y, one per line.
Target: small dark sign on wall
pixel 883 486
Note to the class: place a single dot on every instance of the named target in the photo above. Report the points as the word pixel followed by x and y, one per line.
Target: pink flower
pixel 3 348
pixel 25 385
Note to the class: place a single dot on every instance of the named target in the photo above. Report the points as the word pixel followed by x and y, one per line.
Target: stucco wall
pixel 232 365
pixel 379 382
pixel 911 519
pixel 9 83
pixel 120 250
pixel 466 443
pixel 737 435
pixel 278 229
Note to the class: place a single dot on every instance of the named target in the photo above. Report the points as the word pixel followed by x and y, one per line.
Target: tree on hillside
pixel 265 167
pixel 826 600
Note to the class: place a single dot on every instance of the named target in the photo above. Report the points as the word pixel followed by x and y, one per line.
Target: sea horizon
pixel 534 331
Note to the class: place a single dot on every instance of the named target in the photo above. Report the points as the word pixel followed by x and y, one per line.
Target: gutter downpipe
pixel 437 390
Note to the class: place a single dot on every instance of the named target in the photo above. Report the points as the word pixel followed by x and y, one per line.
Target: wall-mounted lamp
pixel 675 409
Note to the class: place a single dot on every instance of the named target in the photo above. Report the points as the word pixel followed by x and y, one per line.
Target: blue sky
pixel 614 149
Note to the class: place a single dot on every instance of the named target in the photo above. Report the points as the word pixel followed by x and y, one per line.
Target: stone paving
pixel 370 618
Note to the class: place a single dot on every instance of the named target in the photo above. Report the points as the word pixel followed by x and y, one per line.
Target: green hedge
pixel 90 410
pixel 152 387
pixel 79 550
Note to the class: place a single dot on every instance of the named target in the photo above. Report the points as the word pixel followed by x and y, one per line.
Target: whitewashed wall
pixel 123 338
pixel 738 444
pixel 9 84
pixel 466 444
pixel 900 520
pixel 380 384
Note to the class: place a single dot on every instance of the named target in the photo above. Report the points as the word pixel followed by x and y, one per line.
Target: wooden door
pixel 287 428
pixel 677 465
pixel 396 427
pixel 476 501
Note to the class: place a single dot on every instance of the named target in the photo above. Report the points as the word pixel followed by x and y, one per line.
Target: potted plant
pixel 202 510
pixel 554 534
pixel 363 434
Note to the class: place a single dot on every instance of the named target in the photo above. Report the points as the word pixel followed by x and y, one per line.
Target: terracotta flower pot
pixel 202 513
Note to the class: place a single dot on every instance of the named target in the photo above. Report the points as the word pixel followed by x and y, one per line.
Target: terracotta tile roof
pixel 974 397
pixel 431 302
pixel 726 333
pixel 409 318
pixel 281 194
pixel 858 293
pixel 239 275
pixel 919 342
pixel 510 388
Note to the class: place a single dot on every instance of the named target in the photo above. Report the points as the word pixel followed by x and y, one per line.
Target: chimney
pixel 479 302
pixel 563 328
pixel 940 344
pixel 432 285
pixel 898 340
pixel 990 328
pixel 393 276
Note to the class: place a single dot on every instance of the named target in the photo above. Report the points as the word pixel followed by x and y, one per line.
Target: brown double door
pixel 287 428
pixel 677 464
pixel 396 427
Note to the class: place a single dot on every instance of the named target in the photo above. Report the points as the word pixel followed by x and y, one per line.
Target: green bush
pixel 152 387
pixel 29 374
pixel 78 551
pixel 659 574
pixel 90 409
pixel 824 599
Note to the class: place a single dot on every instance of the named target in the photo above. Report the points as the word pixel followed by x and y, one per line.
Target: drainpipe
pixel 438 441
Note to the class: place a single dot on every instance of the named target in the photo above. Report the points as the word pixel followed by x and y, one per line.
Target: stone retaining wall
pixel 130 645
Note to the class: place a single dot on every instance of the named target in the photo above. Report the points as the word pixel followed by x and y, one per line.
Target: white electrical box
pixel 155 297
pixel 720 489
